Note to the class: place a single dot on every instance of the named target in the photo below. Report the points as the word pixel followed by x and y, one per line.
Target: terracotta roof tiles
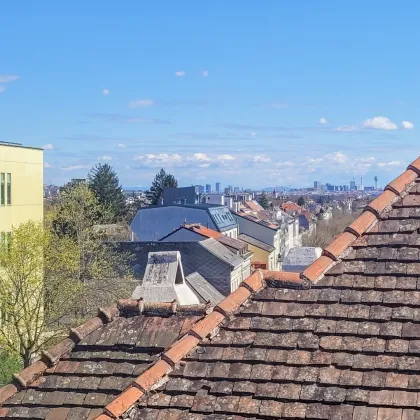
pixel 338 341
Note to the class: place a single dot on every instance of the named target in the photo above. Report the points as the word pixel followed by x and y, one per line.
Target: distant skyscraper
pixel 208 188
pixel 353 185
pixel 317 185
pixel 218 187
pixel 236 189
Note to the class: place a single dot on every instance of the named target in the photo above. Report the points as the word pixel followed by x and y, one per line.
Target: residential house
pixel 339 340
pixel 183 195
pixel 155 222
pixel 222 268
pixel 304 216
pixel 269 233
pixel 164 281
pixel 195 231
pixel 21 186
pixel 263 255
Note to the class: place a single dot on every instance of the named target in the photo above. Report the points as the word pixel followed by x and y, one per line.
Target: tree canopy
pixel 53 276
pixel 301 202
pixel 263 201
pixel 162 180
pixel 104 182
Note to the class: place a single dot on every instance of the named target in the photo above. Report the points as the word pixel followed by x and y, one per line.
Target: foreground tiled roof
pixel 338 341
pixel 85 372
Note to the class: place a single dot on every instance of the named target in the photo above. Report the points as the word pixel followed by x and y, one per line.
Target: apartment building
pixel 21 186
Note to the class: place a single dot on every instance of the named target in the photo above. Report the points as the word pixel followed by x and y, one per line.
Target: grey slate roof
pixel 195 258
pixel 220 251
pixel 299 258
pixel 256 242
pixel 203 289
pixel 155 222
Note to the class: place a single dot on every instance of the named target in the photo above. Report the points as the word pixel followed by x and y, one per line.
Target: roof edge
pixel 395 190
pixel 50 357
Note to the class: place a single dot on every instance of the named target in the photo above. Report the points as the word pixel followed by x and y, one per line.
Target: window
pixel 9 189
pixel 2 190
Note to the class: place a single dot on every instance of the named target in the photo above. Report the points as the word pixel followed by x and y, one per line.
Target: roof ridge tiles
pixel 50 357
pixel 153 376
pixel 395 190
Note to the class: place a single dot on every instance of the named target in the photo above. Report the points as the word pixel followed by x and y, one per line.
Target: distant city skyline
pixel 277 93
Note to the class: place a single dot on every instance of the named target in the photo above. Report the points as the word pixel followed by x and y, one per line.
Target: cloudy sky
pixel 254 94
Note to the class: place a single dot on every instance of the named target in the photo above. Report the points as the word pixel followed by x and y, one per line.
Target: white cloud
pixel 2 89
pixel 393 163
pixel 122 146
pixel 74 167
pixel 180 73
pixel 347 128
pixel 160 159
pixel 200 157
pixel 105 157
pixel 105 92
pixel 336 157
pixel 48 165
pixel 48 146
pixel 407 125
pixel 323 121
pixel 286 164
pixel 205 73
pixel 6 78
pixel 253 134
pixel 224 158
pixel 380 123
pixel 261 159
pixel 141 103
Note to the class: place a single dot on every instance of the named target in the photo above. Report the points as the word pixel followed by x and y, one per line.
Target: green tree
pixel 9 364
pixel 301 201
pixel 263 201
pixel 75 217
pixel 38 291
pixel 162 180
pixel 53 276
pixel 104 182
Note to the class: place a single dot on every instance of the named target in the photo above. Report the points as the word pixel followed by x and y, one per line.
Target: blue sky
pixel 254 94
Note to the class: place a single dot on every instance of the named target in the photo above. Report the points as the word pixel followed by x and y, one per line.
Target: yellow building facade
pixel 21 186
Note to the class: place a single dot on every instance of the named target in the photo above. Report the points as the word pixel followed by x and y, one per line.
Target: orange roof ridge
pixel 153 376
pixel 396 189
pixel 51 357
pixel 156 374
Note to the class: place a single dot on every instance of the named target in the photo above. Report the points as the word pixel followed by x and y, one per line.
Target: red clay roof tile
pixel 283 276
pixel 123 402
pixel 232 303
pixel 6 392
pixel 254 281
pixel 103 417
pixel 381 202
pixel 205 231
pixel 415 166
pixel 401 183
pixel 204 327
pixel 53 354
pixel 339 245
pixel 149 378
pixel 180 349
pixel 29 374
pixel 317 268
pixel 362 223
pixel 88 327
